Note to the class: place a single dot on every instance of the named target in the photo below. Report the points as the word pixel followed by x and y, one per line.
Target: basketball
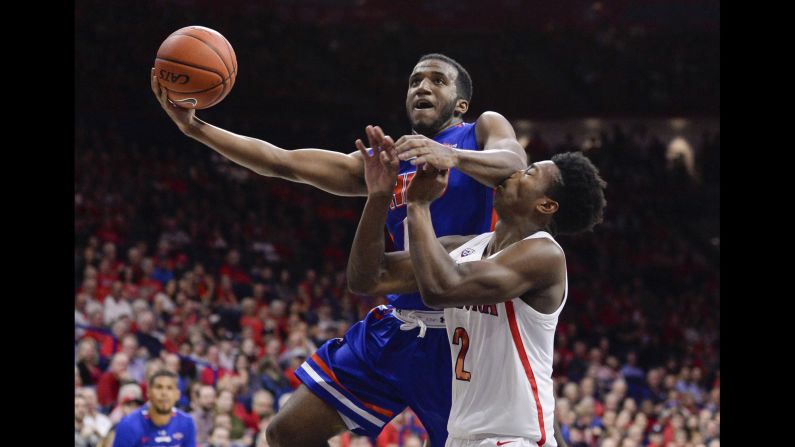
pixel 197 66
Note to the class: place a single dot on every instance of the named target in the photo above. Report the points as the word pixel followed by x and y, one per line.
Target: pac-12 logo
pixel 174 78
pixel 467 252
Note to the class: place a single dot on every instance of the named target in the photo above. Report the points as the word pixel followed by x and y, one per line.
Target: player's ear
pixel 546 205
pixel 461 107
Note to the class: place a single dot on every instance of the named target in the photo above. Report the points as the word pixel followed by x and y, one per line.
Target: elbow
pixel 433 297
pixel 360 285
pixel 355 284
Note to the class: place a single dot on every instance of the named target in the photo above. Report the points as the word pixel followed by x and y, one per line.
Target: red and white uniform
pixel 502 361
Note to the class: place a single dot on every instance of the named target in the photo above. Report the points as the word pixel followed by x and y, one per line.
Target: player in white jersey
pixel 502 292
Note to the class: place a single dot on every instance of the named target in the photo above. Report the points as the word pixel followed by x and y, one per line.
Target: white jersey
pixel 502 360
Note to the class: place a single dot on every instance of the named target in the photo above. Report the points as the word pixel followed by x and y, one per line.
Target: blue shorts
pixel 377 369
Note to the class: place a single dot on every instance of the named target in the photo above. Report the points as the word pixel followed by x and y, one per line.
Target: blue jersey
pixel 137 430
pixel 465 207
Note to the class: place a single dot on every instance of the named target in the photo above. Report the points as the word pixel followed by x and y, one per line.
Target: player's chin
pixel 423 116
pixel 161 409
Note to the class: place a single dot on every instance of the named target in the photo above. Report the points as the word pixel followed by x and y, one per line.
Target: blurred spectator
pixel 204 412
pixel 127 405
pixel 224 404
pixel 148 337
pixel 88 363
pixel 111 380
pixel 85 435
pixel 93 418
pixel 130 394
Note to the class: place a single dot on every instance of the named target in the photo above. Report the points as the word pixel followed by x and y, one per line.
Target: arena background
pixel 635 85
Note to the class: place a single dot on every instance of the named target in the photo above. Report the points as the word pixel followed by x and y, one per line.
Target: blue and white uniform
pixel 137 430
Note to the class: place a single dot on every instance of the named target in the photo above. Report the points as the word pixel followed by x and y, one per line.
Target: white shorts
pixel 501 441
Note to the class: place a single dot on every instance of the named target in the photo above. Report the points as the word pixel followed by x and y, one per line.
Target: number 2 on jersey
pixel 461 334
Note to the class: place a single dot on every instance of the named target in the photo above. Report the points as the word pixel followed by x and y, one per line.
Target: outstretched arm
pixel 333 172
pixel 502 155
pixel 530 264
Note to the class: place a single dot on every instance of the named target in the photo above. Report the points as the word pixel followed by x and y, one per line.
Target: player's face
pixel 521 191
pixel 431 96
pixel 163 394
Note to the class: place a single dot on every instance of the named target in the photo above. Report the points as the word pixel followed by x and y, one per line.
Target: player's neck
pixel 159 419
pixel 453 121
pixel 506 234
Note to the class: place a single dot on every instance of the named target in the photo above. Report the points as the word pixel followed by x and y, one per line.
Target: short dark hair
pixel 463 82
pixel 579 192
pixel 162 373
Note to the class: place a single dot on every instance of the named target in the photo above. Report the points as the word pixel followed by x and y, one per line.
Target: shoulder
pixel 493 127
pixel 535 255
pixel 130 425
pixel 542 246
pixel 490 120
pixel 184 418
pixel 132 418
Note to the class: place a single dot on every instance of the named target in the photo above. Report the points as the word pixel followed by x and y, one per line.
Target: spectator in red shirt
pixel 261 409
pixel 105 278
pixel 241 281
pixel 111 380
pixel 109 254
pixel 225 295
pixel 134 258
pixel 148 285
pixel 112 344
pixel 249 319
pixel 213 372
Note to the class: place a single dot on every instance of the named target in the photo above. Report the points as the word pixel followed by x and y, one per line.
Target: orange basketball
pixel 197 66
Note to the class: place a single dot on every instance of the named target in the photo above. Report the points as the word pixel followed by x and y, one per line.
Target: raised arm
pixel 502 155
pixel 333 172
pixel 532 264
pixel 370 270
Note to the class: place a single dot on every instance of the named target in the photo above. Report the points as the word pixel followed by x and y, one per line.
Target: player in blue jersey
pixel 398 355
pixel 158 423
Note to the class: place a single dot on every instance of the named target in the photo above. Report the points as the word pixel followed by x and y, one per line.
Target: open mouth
pixel 423 104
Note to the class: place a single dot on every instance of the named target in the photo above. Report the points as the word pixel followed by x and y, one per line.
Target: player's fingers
pixel 402 140
pixel 385 159
pixel 408 155
pixel 372 138
pixel 359 145
pixel 419 160
pixel 407 145
pixel 153 83
pixel 379 133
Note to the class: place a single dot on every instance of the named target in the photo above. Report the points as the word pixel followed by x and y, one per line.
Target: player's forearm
pixel 366 261
pixel 257 155
pixel 435 271
pixel 489 167
pixel 333 172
